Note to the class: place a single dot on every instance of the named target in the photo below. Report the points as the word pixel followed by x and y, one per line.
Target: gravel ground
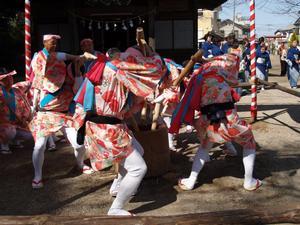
pixel 219 187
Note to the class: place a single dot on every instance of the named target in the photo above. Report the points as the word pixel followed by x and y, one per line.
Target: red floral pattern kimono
pixel 170 93
pixel 209 86
pixel 106 143
pixel 14 115
pixel 52 79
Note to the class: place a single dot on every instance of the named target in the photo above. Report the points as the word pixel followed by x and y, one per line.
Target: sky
pixel 266 22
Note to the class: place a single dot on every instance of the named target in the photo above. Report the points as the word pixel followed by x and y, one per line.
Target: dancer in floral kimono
pixel 54 91
pixel 104 98
pixel 15 111
pixel 170 95
pixel 209 92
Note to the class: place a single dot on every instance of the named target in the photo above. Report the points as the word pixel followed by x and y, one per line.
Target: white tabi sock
pixel 136 169
pixel 80 155
pixel 198 164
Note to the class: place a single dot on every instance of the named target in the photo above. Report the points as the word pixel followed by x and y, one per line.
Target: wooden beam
pixel 187 69
pixel 222 217
pixel 279 87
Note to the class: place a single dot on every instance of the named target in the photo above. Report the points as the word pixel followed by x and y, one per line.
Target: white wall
pixel 228 29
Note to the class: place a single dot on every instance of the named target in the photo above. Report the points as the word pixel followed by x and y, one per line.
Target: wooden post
pixel 196 57
pixel 144 113
pixel 279 87
pixel 155 116
pixel 134 124
pixel 116 168
pixel 241 216
pixel 140 38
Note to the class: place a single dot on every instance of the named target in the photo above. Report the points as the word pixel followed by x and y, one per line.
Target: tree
pixel 12 39
pixel 292 38
pixel 287 7
pixel 291 7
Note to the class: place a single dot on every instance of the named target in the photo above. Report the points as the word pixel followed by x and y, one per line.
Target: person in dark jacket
pixel 293 60
pixel 263 64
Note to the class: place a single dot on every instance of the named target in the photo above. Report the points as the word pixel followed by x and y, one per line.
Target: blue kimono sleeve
pixel 290 55
pixel 206 47
pixel 269 64
pixel 216 51
pixel 225 48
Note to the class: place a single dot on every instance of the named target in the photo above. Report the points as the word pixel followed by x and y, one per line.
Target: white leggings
pixel 202 154
pixel 40 147
pixel 132 171
pixel 170 136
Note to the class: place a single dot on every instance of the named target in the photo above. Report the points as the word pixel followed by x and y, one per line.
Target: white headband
pixel 47 37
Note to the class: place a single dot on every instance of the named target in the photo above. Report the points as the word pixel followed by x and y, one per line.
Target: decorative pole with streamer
pixel 253 108
pixel 27 39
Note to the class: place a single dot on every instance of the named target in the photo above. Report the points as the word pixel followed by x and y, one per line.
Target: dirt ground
pixel 219 185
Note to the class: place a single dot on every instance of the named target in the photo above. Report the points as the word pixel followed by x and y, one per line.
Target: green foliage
pixel 293 37
pixel 16 27
pixel 12 40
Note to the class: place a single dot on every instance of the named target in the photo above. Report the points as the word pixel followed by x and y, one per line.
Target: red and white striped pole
pixel 27 39
pixel 253 108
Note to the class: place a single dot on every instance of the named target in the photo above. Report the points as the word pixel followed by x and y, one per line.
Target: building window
pixel 163 34
pixel 174 34
pixel 183 34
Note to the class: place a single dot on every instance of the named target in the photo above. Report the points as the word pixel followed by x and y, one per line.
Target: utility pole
pixel 234 5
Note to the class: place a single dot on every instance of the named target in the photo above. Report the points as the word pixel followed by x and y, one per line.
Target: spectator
pixel 261 42
pixel 207 45
pixel 263 64
pixel 246 59
pixel 293 64
pixel 227 43
pixel 282 52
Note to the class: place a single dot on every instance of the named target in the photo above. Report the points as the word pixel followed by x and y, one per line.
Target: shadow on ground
pixel 67 192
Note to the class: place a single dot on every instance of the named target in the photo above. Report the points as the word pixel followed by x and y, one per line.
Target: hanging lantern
pixel 99 25
pixel 115 26
pixel 131 23
pixel 143 21
pixel 124 26
pixel 91 25
pixel 106 26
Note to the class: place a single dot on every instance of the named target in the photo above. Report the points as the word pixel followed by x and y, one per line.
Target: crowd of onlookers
pixel 289 61
pixel 214 45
